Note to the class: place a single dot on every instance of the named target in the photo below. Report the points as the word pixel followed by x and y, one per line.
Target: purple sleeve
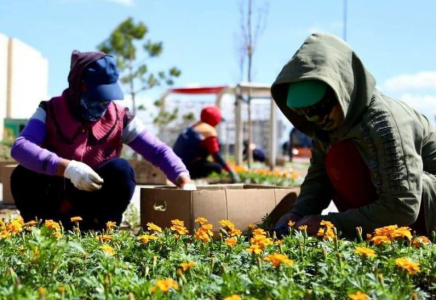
pixel 159 154
pixel 27 152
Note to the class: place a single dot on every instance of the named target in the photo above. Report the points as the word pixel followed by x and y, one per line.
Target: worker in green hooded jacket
pixel 375 157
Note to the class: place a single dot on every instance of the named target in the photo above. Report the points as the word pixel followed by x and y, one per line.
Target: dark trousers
pixel 52 197
pixel 203 168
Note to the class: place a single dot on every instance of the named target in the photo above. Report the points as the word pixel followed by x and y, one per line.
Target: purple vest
pixel 92 143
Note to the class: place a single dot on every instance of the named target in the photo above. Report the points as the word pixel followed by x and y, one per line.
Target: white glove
pixel 83 176
pixel 189 187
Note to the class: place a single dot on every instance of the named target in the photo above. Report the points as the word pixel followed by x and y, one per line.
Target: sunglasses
pixel 321 108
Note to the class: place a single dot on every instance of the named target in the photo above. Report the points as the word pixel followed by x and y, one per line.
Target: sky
pixel 394 38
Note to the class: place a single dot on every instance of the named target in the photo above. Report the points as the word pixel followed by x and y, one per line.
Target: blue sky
pixel 394 38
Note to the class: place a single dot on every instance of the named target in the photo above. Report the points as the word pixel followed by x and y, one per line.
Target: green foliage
pixel 125 44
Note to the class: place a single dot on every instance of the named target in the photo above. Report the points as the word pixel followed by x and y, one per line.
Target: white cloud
pixel 411 82
pixel 425 104
pixel 123 2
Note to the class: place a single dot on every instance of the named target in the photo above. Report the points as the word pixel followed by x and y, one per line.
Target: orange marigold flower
pixel 14 226
pixel 408 265
pixel 165 285
pixel 386 231
pixel 291 224
pixel 103 238
pixel 327 224
pixel 180 229
pixel 277 259
pixel 153 227
pixel 50 224
pixel 261 241
pixel 57 234
pixel 235 232
pixel 366 252
pixel 30 223
pixel 146 238
pixel 279 242
pixel 4 234
pixel 203 236
pixel 359 296
pixel 76 219
pixel 227 224
pixel 2 225
pixel 177 222
pixel 254 249
pixel 402 232
pixel 259 231
pixel 377 240
pixel 302 227
pixel 187 266
pixel 20 220
pixel 108 250
pixel 251 226
pixel 231 242
pixel 110 225
pixel 421 241
pixel 233 297
pixel 201 220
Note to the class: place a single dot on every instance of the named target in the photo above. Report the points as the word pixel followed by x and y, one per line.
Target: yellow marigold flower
pixel 327 233
pixel 108 250
pixel 386 231
pixel 233 297
pixel 110 225
pixel 302 227
pixel 36 253
pixel 42 291
pixel 187 266
pixel 146 238
pixel 14 226
pixel 180 229
pixel 277 259
pixel 261 241
pixel 291 224
pixel 231 242
pixel 421 241
pixel 254 249
pixel 368 236
pixel 85 255
pixel 57 234
pixel 4 234
pixel 153 227
pixel 61 289
pixel 359 296
pixel 402 232
pixel 177 222
pixel 2 225
pixel 21 249
pixel 259 231
pixel 251 226
pixel 76 219
pixel 206 228
pixel 294 175
pixel 203 236
pixel 201 220
pixel 20 220
pixel 327 224
pixel 377 240
pixel 408 265
pixel 165 285
pixel 30 223
pixel 279 242
pixel 366 252
pixel 226 224
pixel 50 224
pixel 235 232
pixel 104 238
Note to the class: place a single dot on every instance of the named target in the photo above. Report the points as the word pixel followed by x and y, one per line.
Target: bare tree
pixel 250 32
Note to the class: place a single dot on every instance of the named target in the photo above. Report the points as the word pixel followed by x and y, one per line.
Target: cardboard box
pixel 241 204
pixel 146 173
pixel 5 163
pixel 6 172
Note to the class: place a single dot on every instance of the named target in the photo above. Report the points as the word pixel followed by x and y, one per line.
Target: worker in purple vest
pixel 69 152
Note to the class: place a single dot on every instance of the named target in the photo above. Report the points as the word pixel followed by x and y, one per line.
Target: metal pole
pixel 238 127
pixel 273 137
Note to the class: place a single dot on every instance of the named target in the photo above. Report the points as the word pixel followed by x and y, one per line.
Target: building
pixel 23 80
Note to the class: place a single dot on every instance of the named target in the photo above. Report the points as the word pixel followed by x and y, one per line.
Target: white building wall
pixel 3 79
pixel 28 79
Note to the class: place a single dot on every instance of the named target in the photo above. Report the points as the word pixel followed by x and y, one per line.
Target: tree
pixel 250 32
pixel 125 44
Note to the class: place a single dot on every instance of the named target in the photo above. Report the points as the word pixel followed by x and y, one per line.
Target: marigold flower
pixel 203 236
pixel 30 223
pixel 4 234
pixel 251 226
pixel 254 249
pixel 359 296
pixel 61 289
pixel 108 250
pixel 14 226
pixel 231 242
pixel 154 227
pixel 291 224
pixel 180 229
pixel 226 224
pixel 187 266
pixel 386 231
pixel 259 231
pixel 104 238
pixel 233 297
pixel 377 240
pixel 261 241
pixel 408 265
pixel 50 224
pixel 327 224
pixel 20 220
pixel 110 225
pixel 165 285
pixel 201 220
pixel 279 242
pixel 402 232
pixel 327 233
pixel 2 225
pixel 421 241
pixel 177 222
pixel 42 291
pixel 302 227
pixel 366 252
pixel 146 238
pixel 277 259
pixel 36 253
pixel 57 234
pixel 235 232
pixel 76 219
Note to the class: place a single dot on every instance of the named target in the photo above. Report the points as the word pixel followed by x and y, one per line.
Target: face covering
pixel 326 114
pixel 92 111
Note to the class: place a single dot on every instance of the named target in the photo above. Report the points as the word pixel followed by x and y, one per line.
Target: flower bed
pixel 41 261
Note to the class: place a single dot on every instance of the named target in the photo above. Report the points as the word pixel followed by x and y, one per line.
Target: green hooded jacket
pixel 397 143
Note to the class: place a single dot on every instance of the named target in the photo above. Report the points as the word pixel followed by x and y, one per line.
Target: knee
pixel 117 168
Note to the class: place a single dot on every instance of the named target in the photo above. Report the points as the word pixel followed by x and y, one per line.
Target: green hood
pixel 327 58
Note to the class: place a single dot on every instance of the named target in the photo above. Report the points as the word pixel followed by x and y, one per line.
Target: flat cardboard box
pixel 6 172
pixel 4 163
pixel 241 204
pixel 146 173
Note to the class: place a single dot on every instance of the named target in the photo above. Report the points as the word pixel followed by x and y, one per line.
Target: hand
pixel 185 183
pixel 234 176
pixel 282 226
pixel 83 176
pixel 312 222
